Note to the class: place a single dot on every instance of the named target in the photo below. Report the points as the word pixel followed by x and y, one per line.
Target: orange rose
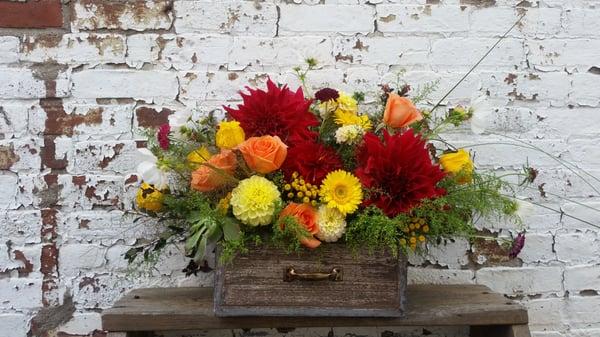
pixel 263 154
pixel 206 178
pixel 306 216
pixel 400 112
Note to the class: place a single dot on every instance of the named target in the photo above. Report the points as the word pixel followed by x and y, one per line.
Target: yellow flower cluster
pixel 341 190
pixel 229 135
pixel 149 198
pixel 301 191
pixel 458 163
pixel 415 231
pixel 346 113
pixel 254 201
pixel 198 156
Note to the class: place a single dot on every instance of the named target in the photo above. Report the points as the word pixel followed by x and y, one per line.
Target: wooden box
pixel 329 281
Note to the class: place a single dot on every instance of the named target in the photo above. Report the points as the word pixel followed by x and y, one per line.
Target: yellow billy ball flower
pixel 198 156
pixel 149 198
pixel 347 104
pixel 458 163
pixel 341 190
pixel 346 118
pixel 229 135
pixel 332 224
pixel 254 201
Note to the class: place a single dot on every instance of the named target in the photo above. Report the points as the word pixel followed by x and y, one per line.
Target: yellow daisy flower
pixel 341 190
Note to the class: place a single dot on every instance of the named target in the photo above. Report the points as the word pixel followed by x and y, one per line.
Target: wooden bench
pixel 488 314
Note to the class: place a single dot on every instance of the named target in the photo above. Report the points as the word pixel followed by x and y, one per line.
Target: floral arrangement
pixel 299 172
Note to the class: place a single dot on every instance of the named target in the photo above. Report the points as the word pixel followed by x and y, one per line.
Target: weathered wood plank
pixel 253 284
pixel 517 330
pixel 192 308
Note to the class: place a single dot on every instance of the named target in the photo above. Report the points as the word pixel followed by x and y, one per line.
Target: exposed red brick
pixel 151 118
pixel 48 232
pixel 49 270
pixel 48 155
pixel 48 72
pixel 106 160
pixel 111 11
pixel 31 14
pixel 58 122
pixel 78 180
pixel 27 265
pixel 84 224
pixel 89 281
pixel 131 179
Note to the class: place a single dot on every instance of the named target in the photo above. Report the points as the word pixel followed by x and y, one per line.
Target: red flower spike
pixel 398 172
pixel 312 160
pixel 275 112
pixel 163 136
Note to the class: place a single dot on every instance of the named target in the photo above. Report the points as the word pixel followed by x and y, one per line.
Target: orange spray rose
pixel 206 179
pixel 400 112
pixel 263 154
pixel 306 216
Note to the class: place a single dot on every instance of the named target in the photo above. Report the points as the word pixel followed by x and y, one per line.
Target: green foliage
pixel 231 248
pixel 287 234
pixel 374 231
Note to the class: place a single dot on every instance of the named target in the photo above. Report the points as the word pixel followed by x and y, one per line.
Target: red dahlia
pixel 398 172
pixel 275 112
pixel 311 160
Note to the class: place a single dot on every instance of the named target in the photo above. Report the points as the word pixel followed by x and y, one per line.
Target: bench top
pixel 162 309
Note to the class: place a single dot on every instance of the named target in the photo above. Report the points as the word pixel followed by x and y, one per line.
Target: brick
pixel 80 48
pixel 581 22
pixel 236 18
pixel 538 22
pixel 22 227
pixel 77 258
pixel 439 276
pixel 8 184
pixel 538 249
pixel 585 88
pixel 14 324
pixel 526 280
pixel 381 50
pixel 581 278
pixel 142 48
pixel 551 89
pixel 27 84
pixel 465 52
pixel 544 314
pixel 20 293
pixel 81 324
pixel 342 19
pixel 38 14
pixel 13 119
pixel 285 52
pixel 581 312
pixel 577 248
pixel 9 49
pixel 103 156
pixel 558 54
pixel 135 15
pixel 185 51
pixel 112 83
pixel 422 19
pixel 20 155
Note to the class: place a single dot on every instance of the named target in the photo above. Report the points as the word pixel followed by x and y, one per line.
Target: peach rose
pixel 400 112
pixel 206 178
pixel 306 216
pixel 263 154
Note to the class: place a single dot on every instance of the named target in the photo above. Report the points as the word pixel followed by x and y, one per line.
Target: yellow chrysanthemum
pixel 149 198
pixel 346 104
pixel 229 135
pixel 198 156
pixel 458 162
pixel 341 190
pixel 254 201
pixel 332 224
pixel 347 118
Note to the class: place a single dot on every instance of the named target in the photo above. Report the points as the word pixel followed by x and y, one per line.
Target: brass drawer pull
pixel 290 274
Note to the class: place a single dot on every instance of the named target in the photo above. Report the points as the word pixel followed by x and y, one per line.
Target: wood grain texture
pixel 428 305
pixel 254 284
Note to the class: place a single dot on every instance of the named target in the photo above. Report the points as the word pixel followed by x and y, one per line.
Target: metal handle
pixel 290 274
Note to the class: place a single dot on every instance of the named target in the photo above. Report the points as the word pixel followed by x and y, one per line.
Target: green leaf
pixel 231 229
pixel 213 232
pixel 201 249
pixel 192 241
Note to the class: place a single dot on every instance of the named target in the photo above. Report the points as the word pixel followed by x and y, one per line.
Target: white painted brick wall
pixel 71 101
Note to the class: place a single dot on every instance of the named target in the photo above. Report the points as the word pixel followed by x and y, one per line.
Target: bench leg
pixel 519 330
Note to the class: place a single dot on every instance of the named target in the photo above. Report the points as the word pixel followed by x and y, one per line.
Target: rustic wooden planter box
pixel 329 281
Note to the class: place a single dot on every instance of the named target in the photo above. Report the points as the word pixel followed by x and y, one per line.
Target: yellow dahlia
pixel 341 190
pixel 346 104
pixel 229 135
pixel 149 198
pixel 332 224
pixel 254 201
pixel 198 156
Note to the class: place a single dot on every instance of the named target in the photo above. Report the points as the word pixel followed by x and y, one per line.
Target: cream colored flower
pixel 349 134
pixel 332 224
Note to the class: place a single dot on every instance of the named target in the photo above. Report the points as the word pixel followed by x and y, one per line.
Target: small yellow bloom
pixel 223 206
pixel 347 118
pixel 458 162
pixel 255 200
pixel 341 190
pixel 347 104
pixel 229 135
pixel 149 198
pixel 197 157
